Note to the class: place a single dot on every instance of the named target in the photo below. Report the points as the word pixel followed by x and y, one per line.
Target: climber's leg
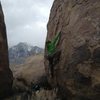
pixel 56 57
pixel 51 65
pixel 53 60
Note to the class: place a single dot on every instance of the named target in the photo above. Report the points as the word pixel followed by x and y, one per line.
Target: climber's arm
pixel 56 39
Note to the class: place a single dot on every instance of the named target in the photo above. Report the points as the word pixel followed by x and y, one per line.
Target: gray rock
pixel 77 74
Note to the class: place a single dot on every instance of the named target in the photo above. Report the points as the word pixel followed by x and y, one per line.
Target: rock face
pixel 77 71
pixel 5 73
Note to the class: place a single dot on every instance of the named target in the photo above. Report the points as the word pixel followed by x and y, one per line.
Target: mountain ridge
pixel 19 52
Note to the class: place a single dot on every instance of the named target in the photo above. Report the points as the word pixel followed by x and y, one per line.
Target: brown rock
pixel 6 77
pixel 79 24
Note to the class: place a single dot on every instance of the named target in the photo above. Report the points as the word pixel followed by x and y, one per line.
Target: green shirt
pixel 51 46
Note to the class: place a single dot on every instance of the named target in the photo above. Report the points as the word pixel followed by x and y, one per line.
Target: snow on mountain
pixel 19 52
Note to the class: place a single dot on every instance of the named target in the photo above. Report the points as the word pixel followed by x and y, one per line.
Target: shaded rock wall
pixel 39 95
pixel 5 73
pixel 77 71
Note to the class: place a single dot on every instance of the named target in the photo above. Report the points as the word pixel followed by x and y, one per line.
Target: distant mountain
pixel 19 52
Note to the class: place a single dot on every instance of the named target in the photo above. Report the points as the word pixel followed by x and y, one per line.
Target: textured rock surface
pixel 77 73
pixel 5 73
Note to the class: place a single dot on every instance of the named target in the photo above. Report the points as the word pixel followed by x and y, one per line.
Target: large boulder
pixel 6 76
pixel 76 69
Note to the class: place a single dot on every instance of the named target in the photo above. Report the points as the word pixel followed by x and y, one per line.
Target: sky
pixel 26 21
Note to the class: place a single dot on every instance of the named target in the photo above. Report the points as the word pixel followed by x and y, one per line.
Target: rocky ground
pixel 30 81
pixel 40 95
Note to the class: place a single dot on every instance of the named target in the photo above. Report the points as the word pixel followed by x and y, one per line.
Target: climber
pixel 52 53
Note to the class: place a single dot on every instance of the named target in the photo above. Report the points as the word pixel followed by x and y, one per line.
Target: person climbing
pixel 52 54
